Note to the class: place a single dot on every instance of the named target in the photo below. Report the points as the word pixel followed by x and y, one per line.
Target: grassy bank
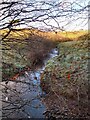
pixel 65 80
pixel 23 50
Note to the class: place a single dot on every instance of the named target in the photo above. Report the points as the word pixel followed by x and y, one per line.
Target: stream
pixel 23 98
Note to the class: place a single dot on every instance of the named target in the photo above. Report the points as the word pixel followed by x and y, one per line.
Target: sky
pixel 65 20
pixel 73 22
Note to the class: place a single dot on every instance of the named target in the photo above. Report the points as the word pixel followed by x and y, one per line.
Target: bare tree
pixel 38 14
pixel 29 13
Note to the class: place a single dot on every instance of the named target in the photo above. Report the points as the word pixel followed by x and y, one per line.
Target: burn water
pixel 23 98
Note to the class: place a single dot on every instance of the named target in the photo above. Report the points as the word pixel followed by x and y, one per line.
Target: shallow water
pixel 22 98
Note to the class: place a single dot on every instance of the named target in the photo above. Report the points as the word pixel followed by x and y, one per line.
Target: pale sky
pixel 66 20
pixel 74 22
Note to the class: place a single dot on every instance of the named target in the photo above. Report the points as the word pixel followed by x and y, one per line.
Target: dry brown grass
pixel 55 36
pixel 28 47
pixel 65 80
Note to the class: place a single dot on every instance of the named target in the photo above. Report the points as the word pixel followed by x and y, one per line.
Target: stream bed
pixel 23 98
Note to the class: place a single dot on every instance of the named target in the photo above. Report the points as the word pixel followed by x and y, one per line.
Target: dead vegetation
pixel 65 80
pixel 22 49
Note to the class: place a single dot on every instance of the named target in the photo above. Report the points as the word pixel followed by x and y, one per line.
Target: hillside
pixel 52 35
pixel 65 80
pixel 28 47
pixel 22 50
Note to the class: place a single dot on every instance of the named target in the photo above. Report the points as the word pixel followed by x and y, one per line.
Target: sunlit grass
pixel 25 47
pixel 55 36
pixel 74 34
